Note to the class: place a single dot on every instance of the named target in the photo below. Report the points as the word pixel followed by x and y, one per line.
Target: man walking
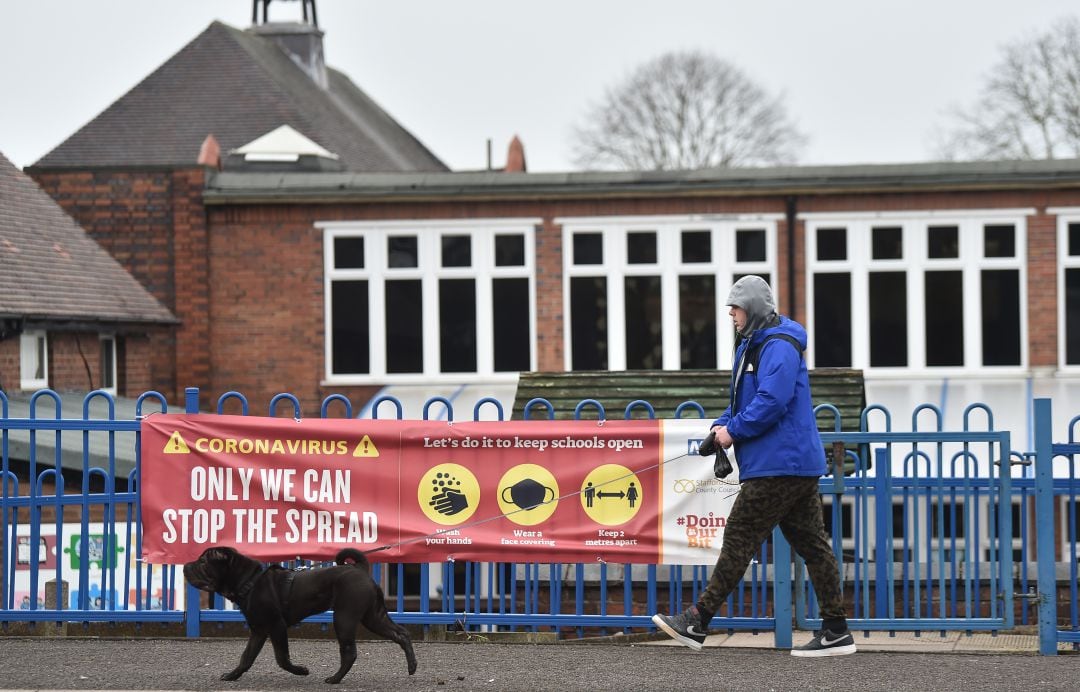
pixel 771 424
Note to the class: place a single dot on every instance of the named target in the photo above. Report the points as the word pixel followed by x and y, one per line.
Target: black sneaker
pixel 684 628
pixel 827 643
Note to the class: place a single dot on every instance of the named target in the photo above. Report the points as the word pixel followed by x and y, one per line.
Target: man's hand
pixel 722 437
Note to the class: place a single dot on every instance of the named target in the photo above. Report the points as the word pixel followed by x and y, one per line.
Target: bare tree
pixel 686 110
pixel 1029 107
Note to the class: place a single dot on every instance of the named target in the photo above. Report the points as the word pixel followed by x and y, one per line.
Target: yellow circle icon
pixel 448 494
pixel 528 494
pixel 611 494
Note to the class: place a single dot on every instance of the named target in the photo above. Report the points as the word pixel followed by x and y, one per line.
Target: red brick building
pixel 344 257
pixel 70 316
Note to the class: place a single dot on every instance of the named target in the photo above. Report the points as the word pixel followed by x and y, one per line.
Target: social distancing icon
pixel 176 444
pixel 366 448
pixel 528 494
pixel 448 494
pixel 611 494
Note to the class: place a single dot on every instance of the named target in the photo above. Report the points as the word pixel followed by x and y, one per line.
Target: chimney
pixel 210 153
pixel 302 41
pixel 515 157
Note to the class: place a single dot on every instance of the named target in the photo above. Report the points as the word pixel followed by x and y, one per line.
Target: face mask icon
pixel 527 493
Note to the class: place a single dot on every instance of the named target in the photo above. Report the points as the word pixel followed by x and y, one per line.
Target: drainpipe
pixel 790 207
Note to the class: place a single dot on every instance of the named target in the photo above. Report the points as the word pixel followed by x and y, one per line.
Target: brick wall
pixel 9 364
pixel 247 280
pixel 153 223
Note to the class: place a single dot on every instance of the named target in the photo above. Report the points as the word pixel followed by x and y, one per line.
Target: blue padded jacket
pixel 772 417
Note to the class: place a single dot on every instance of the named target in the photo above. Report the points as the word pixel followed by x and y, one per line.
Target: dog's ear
pixel 218 554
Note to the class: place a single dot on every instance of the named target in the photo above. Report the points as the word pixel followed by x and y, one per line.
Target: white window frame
pixel 429 234
pixel 103 338
pixel 28 359
pixel 1065 216
pixel 915 263
pixel 669 266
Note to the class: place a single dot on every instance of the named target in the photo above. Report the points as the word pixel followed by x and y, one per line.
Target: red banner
pixel 418 491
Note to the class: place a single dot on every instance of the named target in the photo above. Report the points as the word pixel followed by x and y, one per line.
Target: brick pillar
pixel 1042 290
pixel 549 296
pixel 191 281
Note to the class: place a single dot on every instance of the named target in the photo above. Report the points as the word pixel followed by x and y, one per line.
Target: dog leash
pixel 504 515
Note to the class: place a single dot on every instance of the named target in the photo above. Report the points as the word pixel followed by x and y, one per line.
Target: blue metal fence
pixel 934 530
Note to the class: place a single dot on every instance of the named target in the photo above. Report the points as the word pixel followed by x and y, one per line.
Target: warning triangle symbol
pixel 176 444
pixel 365 448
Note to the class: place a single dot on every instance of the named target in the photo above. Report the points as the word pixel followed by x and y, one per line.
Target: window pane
pixel 457 325
pixel 697 322
pixel 509 251
pixel 888 319
pixel 401 252
pixel 404 328
pixel 944 310
pixel 588 323
pixel 349 327
pixel 888 243
pixel 456 251
pixel 108 362
pixel 510 312
pixel 644 350
pixel 999 241
pixel 641 248
pixel 832 320
pixel 831 244
pixel 349 252
pixel 588 248
pixel 1072 316
pixel 32 357
pixel 696 246
pixel 750 245
pixel 942 242
pixel 1074 239
pixel 1001 317
pixel 39 349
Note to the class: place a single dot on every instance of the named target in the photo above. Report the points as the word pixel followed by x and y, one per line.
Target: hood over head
pixel 753 294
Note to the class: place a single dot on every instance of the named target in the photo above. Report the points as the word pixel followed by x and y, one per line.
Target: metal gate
pixel 1057 523
pixel 921 523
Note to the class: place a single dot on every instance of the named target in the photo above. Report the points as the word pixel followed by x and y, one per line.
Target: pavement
pixel 911 642
pixel 738 662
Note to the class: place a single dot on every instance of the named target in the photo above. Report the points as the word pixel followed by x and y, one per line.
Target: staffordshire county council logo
pixel 684 485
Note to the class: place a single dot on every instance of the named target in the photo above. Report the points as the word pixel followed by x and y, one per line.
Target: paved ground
pixel 728 663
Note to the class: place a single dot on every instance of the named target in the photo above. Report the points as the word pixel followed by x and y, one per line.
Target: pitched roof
pixel 51 270
pixel 238 86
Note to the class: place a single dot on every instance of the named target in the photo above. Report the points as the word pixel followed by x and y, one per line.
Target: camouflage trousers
pixel 792 502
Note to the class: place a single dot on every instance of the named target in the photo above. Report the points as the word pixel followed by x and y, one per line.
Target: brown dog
pixel 272 599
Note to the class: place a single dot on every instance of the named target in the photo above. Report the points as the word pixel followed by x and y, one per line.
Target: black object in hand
pixel 722 467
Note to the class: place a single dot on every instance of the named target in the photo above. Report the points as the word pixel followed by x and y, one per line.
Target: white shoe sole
pixel 820 653
pixel 685 641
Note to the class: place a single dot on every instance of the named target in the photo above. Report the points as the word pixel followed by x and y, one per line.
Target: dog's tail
pixel 352 556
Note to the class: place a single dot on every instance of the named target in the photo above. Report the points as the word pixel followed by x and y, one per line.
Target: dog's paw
pixel 333 679
pixel 412 667
pixel 231 675
pixel 298 670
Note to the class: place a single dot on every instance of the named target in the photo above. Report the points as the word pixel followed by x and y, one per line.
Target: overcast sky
pixel 866 80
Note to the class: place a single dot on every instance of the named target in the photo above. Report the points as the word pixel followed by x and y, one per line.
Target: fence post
pixel 193 599
pixel 1044 526
pixel 782 589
